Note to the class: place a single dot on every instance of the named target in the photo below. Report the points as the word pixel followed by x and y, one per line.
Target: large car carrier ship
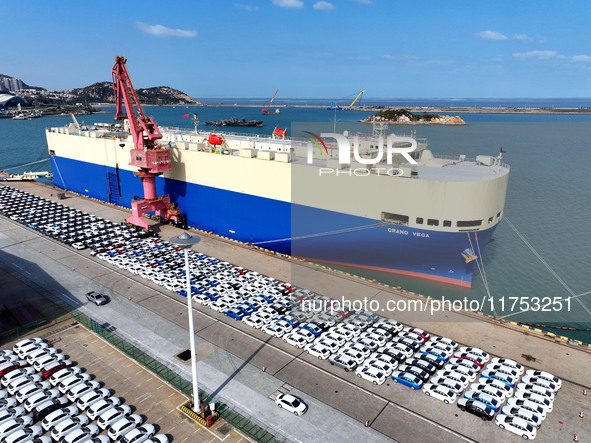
pixel 431 220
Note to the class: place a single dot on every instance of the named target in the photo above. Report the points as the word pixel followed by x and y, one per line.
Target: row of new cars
pixel 40 385
pixel 62 223
pixel 527 401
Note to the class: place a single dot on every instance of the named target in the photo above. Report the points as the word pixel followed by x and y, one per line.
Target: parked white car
pixel 440 392
pixel 291 403
pixel 374 375
pixel 58 416
pixel 112 415
pixel 516 425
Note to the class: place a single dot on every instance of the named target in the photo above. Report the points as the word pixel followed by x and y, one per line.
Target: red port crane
pixel 151 158
pixel 266 108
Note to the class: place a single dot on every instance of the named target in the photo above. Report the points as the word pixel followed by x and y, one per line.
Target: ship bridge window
pixel 499 214
pixel 432 222
pixel 490 219
pixel 396 219
pixel 447 223
pixel 469 223
pixel 419 220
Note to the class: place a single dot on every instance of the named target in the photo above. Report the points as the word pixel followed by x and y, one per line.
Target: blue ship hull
pixel 301 231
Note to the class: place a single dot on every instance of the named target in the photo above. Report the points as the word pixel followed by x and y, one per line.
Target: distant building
pixel 8 100
pixel 12 84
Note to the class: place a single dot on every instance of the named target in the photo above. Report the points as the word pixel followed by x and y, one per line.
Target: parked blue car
pixel 289 319
pixel 245 308
pixel 407 379
pixel 496 375
pixel 487 399
pixel 433 351
pixel 268 298
pixel 313 328
pixel 212 295
pixel 235 313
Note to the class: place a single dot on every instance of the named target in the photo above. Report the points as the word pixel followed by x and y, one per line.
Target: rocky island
pixel 404 117
pixel 102 92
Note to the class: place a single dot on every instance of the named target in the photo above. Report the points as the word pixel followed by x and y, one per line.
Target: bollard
pixel 366 423
pixel 584 391
pixel 576 438
pixel 264 368
pixel 581 414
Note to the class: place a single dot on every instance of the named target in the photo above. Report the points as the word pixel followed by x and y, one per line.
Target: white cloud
pixel 522 37
pixel 388 57
pixel 491 35
pixel 163 31
pixel 323 6
pixel 249 8
pixel 553 55
pixel 542 55
pixel 293 4
pixel 581 58
pixel 364 2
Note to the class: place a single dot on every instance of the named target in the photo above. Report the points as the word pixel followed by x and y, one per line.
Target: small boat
pixel 27 116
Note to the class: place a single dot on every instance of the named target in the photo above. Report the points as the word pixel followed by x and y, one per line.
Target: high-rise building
pixel 12 84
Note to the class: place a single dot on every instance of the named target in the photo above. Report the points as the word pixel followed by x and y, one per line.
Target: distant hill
pixel 102 92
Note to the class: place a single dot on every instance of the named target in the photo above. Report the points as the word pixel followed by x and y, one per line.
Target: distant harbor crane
pixel 356 98
pixel 266 108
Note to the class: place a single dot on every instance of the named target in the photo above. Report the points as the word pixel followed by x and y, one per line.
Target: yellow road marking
pixel 160 387
pixel 211 440
pixel 197 430
pixel 141 370
pixel 171 394
pixel 171 411
pixel 149 379
pixel 170 430
pixel 240 440
pixel 184 440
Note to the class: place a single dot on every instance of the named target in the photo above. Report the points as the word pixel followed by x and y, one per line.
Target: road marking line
pixel 160 387
pixel 141 370
pixel 184 440
pixel 171 394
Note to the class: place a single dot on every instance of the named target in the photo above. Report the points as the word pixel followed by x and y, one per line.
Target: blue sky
pixel 306 48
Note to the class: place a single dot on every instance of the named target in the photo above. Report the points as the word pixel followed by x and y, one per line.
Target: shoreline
pixel 418 109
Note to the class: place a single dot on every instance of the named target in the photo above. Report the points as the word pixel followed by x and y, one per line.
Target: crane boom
pixel 144 130
pixel 266 108
pixel 357 98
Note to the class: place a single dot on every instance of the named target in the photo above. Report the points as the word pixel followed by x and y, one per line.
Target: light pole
pixel 185 241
